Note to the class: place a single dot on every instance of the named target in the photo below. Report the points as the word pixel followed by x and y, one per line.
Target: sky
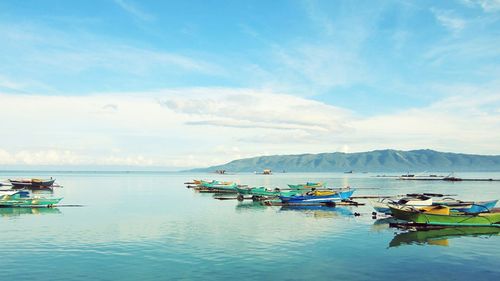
pixel 173 85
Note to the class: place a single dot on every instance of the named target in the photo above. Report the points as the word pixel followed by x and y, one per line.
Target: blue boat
pixel 337 196
pixel 476 207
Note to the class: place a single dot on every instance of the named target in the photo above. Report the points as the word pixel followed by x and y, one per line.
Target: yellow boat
pixel 435 210
pixel 322 192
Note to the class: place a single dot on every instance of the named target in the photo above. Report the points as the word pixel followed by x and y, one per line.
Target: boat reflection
pixel 382 224
pixel 439 237
pixel 42 192
pixel 14 212
pixel 251 205
pixel 319 211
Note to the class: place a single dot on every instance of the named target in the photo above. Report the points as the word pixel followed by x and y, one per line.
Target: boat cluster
pixel 28 193
pixel 409 210
pixel 310 193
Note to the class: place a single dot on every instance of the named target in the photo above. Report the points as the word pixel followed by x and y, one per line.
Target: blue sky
pixel 254 77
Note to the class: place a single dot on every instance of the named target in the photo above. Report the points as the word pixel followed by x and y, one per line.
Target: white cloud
pixel 449 20
pixel 488 6
pixel 255 109
pixel 192 127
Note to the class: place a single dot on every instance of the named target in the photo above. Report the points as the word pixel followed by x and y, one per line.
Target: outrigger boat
pixel 263 192
pixel 307 185
pixel 18 200
pixel 218 185
pixel 382 205
pixel 32 183
pixel 419 201
pixel 421 217
pixel 312 198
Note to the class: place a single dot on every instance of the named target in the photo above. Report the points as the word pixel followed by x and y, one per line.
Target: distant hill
pixel 373 161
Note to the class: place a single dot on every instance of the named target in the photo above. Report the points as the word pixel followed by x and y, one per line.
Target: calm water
pixel 147 226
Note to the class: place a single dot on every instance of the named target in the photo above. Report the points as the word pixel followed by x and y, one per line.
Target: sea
pixel 149 226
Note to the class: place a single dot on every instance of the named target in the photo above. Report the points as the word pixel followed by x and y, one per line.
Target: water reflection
pixel 319 211
pixel 440 237
pixel 382 224
pixel 14 212
pixel 251 205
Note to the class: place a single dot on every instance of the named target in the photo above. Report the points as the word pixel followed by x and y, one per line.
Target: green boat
pixel 265 192
pixel 307 185
pixel 219 185
pixel 453 219
pixel 17 201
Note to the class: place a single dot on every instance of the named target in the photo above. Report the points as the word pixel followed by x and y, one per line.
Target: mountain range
pixel 387 160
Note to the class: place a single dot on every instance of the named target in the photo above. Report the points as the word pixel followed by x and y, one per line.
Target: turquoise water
pixel 148 226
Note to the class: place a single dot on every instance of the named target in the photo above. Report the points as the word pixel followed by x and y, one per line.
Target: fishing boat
pixel 452 219
pixel 18 200
pixel 307 185
pixel 382 205
pixel 265 192
pixel 32 183
pixel 300 199
pixel 218 185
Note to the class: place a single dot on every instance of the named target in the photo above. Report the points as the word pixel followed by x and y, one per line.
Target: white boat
pixel 382 205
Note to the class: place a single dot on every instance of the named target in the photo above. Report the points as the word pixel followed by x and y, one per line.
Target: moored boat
pixel 453 219
pixel 307 185
pixel 265 192
pixel 382 205
pixel 335 196
pixel 32 183
pixel 18 200
pixel 219 185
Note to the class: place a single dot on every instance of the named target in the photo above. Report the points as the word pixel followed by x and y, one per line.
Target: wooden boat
pixel 265 192
pixel 336 196
pixel 307 185
pixel 17 200
pixel 219 185
pixel 382 205
pixel 32 183
pixel 453 219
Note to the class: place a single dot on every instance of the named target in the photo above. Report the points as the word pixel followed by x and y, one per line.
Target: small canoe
pixel 453 219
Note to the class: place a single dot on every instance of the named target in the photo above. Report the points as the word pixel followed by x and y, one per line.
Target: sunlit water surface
pixel 148 226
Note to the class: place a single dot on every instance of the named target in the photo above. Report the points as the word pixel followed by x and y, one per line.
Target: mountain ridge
pixel 385 160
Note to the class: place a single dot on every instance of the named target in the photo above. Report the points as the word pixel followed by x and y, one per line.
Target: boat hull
pixel 264 192
pixel 481 219
pixel 32 184
pixel 29 202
